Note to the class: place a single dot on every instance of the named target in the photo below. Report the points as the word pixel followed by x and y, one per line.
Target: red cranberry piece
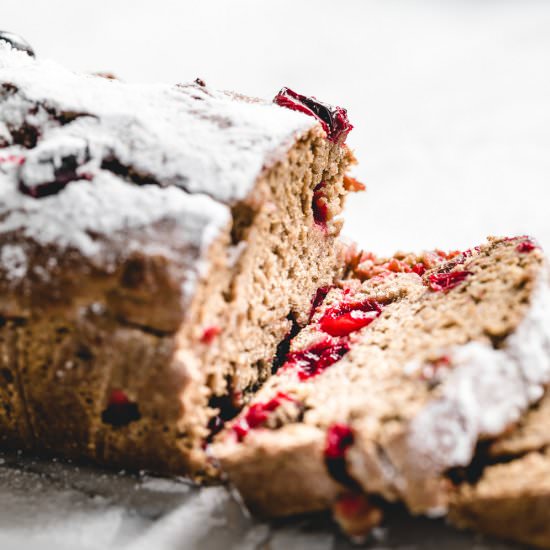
pixel 319 206
pixel 419 269
pixel 18 160
pixel 356 515
pixel 319 298
pixel 209 334
pixel 339 439
pixel 258 414
pixel 349 317
pixel 311 362
pixel 120 410
pixel 353 185
pixel 334 120
pixel 442 282
pixel 525 247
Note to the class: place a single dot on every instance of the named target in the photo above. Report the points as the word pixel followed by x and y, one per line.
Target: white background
pixel 450 100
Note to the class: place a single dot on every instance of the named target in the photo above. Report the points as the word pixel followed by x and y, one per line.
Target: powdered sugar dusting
pixel 486 391
pixel 196 149
pixel 14 261
pixel 84 209
pixel 205 140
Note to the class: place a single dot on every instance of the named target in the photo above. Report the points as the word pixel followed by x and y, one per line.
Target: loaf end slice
pixel 156 244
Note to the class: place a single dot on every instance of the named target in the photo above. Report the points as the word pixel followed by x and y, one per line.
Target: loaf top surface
pixel 85 158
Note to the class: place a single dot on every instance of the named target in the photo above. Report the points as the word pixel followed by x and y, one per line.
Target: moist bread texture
pixel 157 242
pixel 396 380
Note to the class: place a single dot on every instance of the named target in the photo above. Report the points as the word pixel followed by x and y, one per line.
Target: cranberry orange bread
pixel 511 497
pixel 395 381
pixel 156 243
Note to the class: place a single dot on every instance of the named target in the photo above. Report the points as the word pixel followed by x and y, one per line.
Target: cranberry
pixel 63 175
pixel 209 334
pixel 120 410
pixel 345 318
pixel 356 515
pixel 319 205
pixel 525 247
pixel 334 120
pixel 13 159
pixel 319 298
pixel 311 362
pixel 442 282
pixel 258 414
pixel 419 269
pixel 353 185
pixel 339 439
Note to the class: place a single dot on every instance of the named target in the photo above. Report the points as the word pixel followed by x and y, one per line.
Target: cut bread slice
pixel 395 381
pixel 511 498
pixel 156 244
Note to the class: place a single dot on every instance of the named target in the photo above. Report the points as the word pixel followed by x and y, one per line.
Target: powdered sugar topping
pixel 486 391
pixel 138 154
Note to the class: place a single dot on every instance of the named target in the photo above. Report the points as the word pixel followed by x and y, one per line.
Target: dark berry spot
pixel 346 318
pixel 120 410
pixel 258 414
pixel 65 173
pixel 313 361
pixel 25 135
pixel 215 426
pixel 209 334
pixel 525 247
pixel 17 42
pixel 338 440
pixel 133 274
pixel 442 282
pixel 84 353
pixel 334 120
pixel 284 346
pixel 319 298
pixel 112 164
pixel 319 205
pixel 200 82
pixel 7 375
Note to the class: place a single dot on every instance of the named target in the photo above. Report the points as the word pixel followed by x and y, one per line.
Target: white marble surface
pixel 451 106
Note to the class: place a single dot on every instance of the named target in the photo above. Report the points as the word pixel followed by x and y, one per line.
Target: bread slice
pixel 157 242
pixel 511 498
pixel 395 381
